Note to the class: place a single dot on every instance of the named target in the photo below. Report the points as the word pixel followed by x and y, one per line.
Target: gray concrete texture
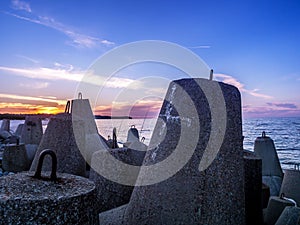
pixel 111 194
pixel 91 141
pixel 275 207
pixel 59 137
pixel 19 129
pixel 214 195
pixel 5 125
pixel 264 147
pixel 32 130
pixel 271 169
pixel 289 216
pixel 133 135
pixel 28 200
pixel 291 185
pixel 274 183
pixel 15 158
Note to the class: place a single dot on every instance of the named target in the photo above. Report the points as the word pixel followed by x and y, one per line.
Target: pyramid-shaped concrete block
pixel 81 111
pixel 193 172
pixel 32 130
pixel 60 138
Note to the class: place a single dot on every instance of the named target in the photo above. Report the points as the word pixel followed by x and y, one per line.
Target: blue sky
pixel 46 47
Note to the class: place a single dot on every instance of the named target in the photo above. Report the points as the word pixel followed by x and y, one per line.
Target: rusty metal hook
pixel 38 171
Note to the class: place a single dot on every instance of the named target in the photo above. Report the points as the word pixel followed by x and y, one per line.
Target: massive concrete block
pixel 291 185
pixel 5 125
pixel 82 111
pixel 271 169
pixel 188 178
pixel 15 158
pixel 59 137
pixel 289 216
pixel 275 207
pixel 253 188
pixel 112 194
pixel 32 130
pixel 19 129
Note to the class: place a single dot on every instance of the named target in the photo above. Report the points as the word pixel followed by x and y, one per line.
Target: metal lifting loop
pixel 132 126
pixel 211 75
pixel 263 134
pixel 79 95
pixel 38 171
pixel 115 142
pixel 67 109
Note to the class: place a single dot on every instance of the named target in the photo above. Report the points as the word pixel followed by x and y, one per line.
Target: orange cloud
pixel 16 104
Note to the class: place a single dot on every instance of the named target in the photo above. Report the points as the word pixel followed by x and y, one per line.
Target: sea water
pixel 284 131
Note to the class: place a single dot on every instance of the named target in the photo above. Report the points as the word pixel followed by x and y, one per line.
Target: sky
pixel 47 47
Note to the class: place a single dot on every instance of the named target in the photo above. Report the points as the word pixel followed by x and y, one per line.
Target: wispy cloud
pixel 34 85
pixel 283 105
pixel 28 59
pixel 77 39
pixel 233 81
pixel 67 72
pixel 45 73
pixel 20 5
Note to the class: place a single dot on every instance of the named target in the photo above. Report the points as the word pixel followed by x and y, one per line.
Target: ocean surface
pixel 284 131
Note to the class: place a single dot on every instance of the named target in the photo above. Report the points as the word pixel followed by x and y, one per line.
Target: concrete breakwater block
pixel 59 137
pixel 112 194
pixel 5 125
pixel 253 188
pixel 289 216
pixel 271 169
pixel 15 158
pixel 19 129
pixel 275 207
pixel 81 111
pixel 191 173
pixel 291 185
pixel 113 217
pixel 133 134
pixel 30 151
pixel 32 130
pixel 274 183
pixel 28 200
pixel 5 135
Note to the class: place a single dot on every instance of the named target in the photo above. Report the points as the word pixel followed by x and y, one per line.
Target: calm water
pixel 284 131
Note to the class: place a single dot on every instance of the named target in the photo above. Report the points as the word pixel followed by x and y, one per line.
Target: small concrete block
pixel 291 185
pixel 32 130
pixel 5 126
pixel 275 207
pixel 59 137
pixel 289 216
pixel 15 158
pixel 113 216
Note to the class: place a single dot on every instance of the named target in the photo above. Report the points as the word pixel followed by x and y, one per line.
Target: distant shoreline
pixel 45 116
